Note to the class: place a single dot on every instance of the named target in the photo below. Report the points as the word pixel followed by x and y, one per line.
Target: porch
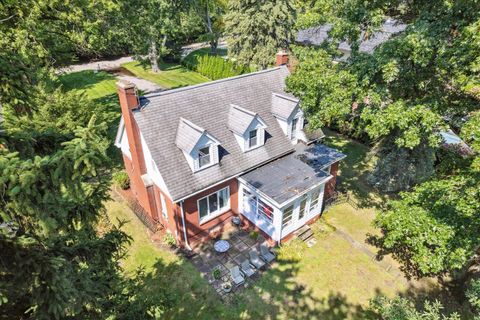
pixel 284 195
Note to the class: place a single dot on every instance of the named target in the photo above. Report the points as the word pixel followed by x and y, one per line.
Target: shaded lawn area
pixel 354 170
pixel 94 84
pixel 170 75
pixel 331 280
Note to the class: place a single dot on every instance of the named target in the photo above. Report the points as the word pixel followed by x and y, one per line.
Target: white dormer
pixel 198 146
pixel 247 126
pixel 289 116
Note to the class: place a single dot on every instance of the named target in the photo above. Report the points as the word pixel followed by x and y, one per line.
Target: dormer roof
pixel 283 106
pixel 240 119
pixel 188 135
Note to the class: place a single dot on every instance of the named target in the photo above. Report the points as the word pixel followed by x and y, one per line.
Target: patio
pixel 206 260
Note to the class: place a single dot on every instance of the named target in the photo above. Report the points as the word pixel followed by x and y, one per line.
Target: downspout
pixel 184 229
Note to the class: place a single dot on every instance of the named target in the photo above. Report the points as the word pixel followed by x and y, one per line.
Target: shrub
pixel 121 180
pixel 473 294
pixel 254 235
pixel 216 274
pixel 169 239
pixel 212 66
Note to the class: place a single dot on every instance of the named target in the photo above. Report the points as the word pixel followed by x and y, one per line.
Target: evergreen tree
pixel 256 30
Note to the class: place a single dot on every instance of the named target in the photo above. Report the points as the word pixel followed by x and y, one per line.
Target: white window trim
pixel 210 155
pixel 216 213
pixel 257 200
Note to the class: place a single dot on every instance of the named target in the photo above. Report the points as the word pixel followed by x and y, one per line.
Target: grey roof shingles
pixel 239 119
pixel 317 35
pixel 292 175
pixel 207 106
pixel 283 106
pixel 188 135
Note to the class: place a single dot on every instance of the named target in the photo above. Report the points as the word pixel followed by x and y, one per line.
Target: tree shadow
pixel 176 291
pixel 354 170
pixel 83 80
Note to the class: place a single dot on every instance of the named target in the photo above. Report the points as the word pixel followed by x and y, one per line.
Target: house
pixel 316 36
pixel 198 156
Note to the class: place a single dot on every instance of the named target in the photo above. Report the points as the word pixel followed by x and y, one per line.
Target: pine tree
pixel 256 30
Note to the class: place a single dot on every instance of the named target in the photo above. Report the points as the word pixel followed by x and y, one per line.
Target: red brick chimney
pixel 140 184
pixel 127 94
pixel 281 58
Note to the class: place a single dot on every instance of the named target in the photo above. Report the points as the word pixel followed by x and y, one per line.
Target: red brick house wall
pixel 197 232
pixel 330 185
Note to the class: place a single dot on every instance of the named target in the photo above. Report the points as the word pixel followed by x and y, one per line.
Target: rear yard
pixel 334 279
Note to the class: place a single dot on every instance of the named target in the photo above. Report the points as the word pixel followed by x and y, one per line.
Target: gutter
pixel 184 229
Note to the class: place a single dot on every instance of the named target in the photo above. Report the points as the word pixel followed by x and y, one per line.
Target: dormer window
pixel 289 116
pixel 204 157
pixel 198 146
pixel 252 139
pixel 247 126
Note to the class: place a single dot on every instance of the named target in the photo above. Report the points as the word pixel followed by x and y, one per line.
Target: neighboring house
pixel 316 36
pixel 199 155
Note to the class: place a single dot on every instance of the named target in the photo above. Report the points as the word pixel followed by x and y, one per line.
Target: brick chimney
pixel 127 94
pixel 281 58
pixel 140 183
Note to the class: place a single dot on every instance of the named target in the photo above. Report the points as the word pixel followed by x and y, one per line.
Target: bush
pixel 121 180
pixel 254 235
pixel 169 239
pixel 473 294
pixel 216 274
pixel 212 66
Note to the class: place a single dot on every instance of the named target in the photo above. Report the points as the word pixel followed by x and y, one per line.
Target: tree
pixel 54 177
pixel 256 30
pixel 212 12
pixel 149 26
pixel 414 85
pixel 402 309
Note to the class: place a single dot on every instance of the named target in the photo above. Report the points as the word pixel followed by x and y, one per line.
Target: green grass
pixel 170 75
pixel 94 84
pixel 331 280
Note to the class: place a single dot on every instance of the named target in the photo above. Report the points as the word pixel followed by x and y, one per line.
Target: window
pixel 214 203
pixel 265 211
pixel 294 128
pixel 303 204
pixel 252 139
pixel 314 199
pixel 257 206
pixel 287 216
pixel 203 157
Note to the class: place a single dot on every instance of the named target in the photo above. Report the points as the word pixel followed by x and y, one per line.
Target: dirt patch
pixel 120 71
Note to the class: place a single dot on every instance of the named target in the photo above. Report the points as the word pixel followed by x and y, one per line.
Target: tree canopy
pixel 256 30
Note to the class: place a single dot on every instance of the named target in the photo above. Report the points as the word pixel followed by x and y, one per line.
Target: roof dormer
pixel 198 146
pixel 289 116
pixel 247 126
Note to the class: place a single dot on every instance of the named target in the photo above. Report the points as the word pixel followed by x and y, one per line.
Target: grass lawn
pixel 170 75
pixel 94 85
pixel 331 280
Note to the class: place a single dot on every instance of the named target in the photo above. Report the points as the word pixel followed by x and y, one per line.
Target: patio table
pixel 221 246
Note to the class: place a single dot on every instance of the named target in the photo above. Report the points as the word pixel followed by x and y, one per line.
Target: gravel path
pixel 142 84
pixel 97 65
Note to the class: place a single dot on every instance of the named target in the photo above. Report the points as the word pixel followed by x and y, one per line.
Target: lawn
pixel 305 283
pixel 94 84
pixel 170 75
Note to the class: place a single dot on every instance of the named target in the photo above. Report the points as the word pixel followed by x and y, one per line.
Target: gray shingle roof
pixel 317 35
pixel 239 119
pixel 207 106
pixel 291 175
pixel 283 106
pixel 188 135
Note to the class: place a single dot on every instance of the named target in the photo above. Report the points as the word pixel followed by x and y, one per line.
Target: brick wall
pixel 330 185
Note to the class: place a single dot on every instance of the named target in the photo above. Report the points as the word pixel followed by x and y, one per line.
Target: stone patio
pixel 206 260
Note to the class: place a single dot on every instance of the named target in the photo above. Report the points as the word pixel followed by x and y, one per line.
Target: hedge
pixel 212 66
